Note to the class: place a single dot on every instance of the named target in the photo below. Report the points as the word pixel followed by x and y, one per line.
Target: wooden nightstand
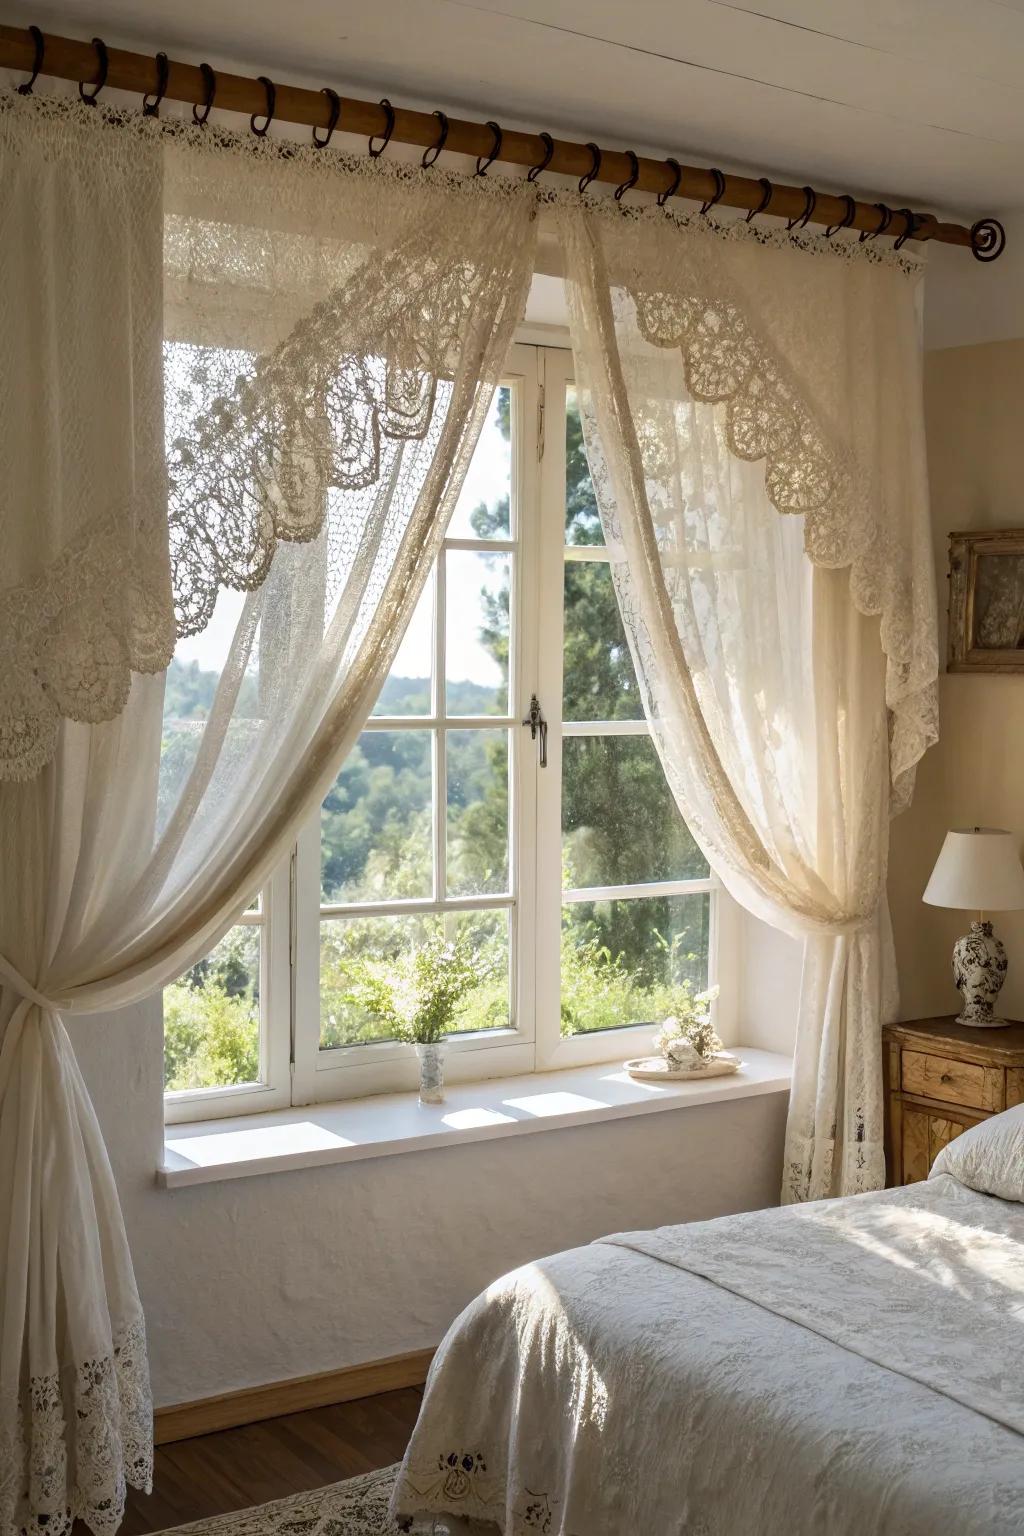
pixel 940 1078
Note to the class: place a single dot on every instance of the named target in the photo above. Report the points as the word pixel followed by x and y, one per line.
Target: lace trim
pixel 262 436
pixel 766 418
pixel 68 1450
pixel 72 638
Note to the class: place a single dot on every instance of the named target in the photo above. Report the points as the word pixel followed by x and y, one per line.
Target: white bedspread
pixel 849 1368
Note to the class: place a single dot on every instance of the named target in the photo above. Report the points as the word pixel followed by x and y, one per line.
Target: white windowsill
pixel 208 1150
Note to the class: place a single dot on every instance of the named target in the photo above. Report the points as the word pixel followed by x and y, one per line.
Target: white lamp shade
pixel 978 870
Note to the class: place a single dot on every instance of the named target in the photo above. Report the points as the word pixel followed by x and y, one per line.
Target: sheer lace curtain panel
pixel 249 382
pixel 753 419
pixel 243 382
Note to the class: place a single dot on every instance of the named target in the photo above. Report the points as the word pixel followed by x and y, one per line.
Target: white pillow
pixel 989 1157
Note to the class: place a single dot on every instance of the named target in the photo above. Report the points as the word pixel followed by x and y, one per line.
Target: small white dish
pixel 656 1068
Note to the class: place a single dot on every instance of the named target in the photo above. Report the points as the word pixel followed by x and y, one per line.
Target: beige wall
pixel 974 404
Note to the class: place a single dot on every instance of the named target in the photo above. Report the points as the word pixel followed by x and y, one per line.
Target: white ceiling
pixel 916 101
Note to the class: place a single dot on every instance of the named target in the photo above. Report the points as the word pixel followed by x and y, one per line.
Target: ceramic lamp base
pixel 979 970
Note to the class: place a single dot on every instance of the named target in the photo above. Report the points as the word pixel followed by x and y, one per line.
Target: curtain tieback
pixel 13 977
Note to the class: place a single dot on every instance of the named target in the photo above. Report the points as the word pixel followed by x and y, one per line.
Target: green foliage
pixel 212 1017
pixel 418 999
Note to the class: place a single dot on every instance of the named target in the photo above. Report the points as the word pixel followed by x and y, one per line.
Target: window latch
pixel 538 726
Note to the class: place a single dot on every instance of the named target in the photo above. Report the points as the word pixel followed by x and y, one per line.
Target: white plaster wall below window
pixel 259 1279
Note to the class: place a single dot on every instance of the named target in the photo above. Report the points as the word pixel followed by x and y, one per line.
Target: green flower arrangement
pixel 419 996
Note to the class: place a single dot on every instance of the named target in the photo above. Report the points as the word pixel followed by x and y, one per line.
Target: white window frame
pixel 293 1068
pixel 388 1066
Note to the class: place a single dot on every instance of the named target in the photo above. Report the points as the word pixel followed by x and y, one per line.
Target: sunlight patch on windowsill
pixel 390 1123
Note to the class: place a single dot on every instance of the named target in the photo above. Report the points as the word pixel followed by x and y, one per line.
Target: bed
pixel 847 1368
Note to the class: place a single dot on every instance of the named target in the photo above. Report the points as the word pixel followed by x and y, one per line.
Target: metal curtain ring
pixel 718 193
pixel 89 97
pixel 988 239
pixel 766 196
pixel 595 167
pixel 542 165
pixel 335 101
pixel 671 191
pixel 152 108
pixel 846 220
pixel 268 116
pixel 883 224
pixel 211 90
pixel 633 177
pixel 483 161
pixel 810 203
pixel 25 89
pixel 909 227
pixel 385 137
pixel 430 154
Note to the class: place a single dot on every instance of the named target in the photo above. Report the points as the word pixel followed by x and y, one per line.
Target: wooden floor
pixel 239 1467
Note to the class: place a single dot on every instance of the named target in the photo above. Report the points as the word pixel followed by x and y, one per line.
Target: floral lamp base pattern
pixel 979 969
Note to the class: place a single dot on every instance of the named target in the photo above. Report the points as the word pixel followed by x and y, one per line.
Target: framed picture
pixel 986 601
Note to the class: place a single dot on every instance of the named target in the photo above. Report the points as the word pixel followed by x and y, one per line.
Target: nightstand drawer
pixel 951 1082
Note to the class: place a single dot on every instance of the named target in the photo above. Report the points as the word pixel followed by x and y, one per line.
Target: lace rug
pixel 356 1507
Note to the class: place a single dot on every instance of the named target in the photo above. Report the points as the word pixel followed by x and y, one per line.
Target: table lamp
pixel 978 869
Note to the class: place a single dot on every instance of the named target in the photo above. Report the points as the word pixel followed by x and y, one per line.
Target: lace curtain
pixel 250 380
pixel 752 414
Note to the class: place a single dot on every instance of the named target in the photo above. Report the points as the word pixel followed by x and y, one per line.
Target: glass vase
pixel 432 1072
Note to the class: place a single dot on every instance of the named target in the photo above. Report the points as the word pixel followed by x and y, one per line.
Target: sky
pixel 488 480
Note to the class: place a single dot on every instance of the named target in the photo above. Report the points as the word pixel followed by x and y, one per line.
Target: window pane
pixel 624 961
pixel 482 510
pixel 487 1007
pixel 353 950
pixel 212 1017
pixel 476 632
pixel 376 832
pixel 582 520
pixel 599 682
pixel 620 824
pixel 407 689
pixel 477 812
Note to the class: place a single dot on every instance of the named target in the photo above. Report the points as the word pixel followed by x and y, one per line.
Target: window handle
pixel 538 725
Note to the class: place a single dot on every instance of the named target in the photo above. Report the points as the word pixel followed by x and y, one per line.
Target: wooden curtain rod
pixel 93 64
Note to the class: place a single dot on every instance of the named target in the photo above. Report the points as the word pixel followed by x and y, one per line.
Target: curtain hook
pixel 385 137
pixel 595 167
pixel 847 218
pixel 25 89
pixel 542 165
pixel 89 97
pixel 671 191
pixel 766 196
pixel 631 179
pixel 210 80
pixel 988 239
pixel 431 153
pixel 483 161
pixel 271 90
pixel 910 225
pixel 883 224
pixel 152 108
pixel 810 203
pixel 718 193
pixel 335 101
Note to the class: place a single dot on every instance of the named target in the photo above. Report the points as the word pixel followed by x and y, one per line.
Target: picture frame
pixel 986 601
